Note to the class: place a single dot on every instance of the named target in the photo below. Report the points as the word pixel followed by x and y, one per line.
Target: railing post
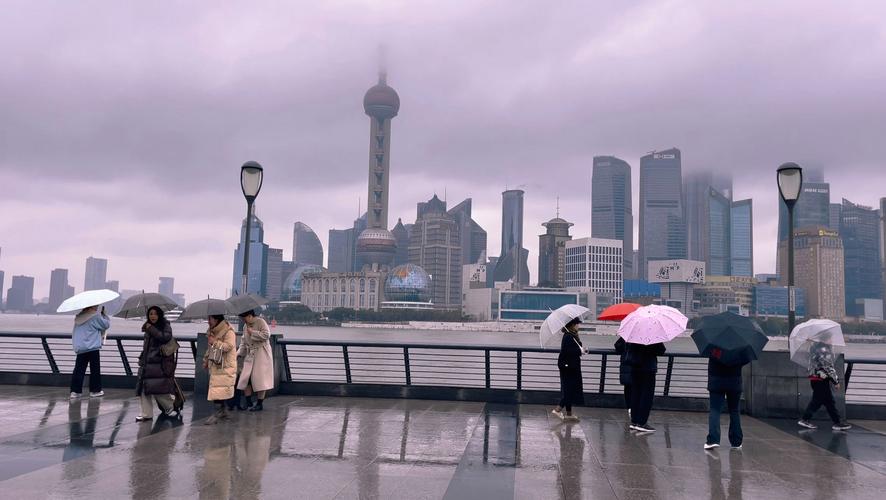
pixel 194 350
pixel 488 371
pixel 344 353
pixel 201 376
pixel 284 353
pixel 847 375
pixel 406 366
pixel 519 370
pixel 49 357
pixel 667 387
pixel 603 374
pixel 126 368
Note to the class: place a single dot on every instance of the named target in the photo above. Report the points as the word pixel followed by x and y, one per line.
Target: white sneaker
pixel 557 413
pixel 737 448
pixel 571 418
pixel 75 395
pixel 807 424
pixel 711 446
pixel 96 394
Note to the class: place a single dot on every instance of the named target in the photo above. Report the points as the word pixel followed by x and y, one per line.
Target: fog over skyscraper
pixel 612 214
pixel 59 289
pixel 662 225
pixel 96 274
pixel 742 240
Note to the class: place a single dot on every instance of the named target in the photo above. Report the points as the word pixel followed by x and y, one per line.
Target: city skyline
pixel 474 122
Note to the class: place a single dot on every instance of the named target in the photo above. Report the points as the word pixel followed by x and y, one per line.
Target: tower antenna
pixel 558 206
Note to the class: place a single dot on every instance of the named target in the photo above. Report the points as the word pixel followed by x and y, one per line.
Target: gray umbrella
pixel 204 308
pixel 137 306
pixel 245 303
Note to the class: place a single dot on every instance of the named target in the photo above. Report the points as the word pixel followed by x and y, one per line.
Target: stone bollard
pixel 201 376
pixel 776 387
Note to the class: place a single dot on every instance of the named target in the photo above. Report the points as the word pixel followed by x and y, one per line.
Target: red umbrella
pixel 618 312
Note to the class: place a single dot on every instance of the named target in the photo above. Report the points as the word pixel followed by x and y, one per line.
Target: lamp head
pixel 251 174
pixel 790 182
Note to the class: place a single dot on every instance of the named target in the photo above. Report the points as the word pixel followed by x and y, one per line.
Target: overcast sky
pixel 123 124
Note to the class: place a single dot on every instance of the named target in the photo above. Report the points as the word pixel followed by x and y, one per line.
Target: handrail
pixel 111 336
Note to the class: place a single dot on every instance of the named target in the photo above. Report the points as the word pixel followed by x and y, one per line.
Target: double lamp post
pixel 790 184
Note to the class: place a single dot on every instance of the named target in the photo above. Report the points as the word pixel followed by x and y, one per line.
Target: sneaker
pixel 711 446
pixel 557 413
pixel 75 395
pixel 842 426
pixel 629 412
pixel 141 418
pixel 807 424
pixel 571 418
pixel 643 428
pixel 96 394
pixel 737 448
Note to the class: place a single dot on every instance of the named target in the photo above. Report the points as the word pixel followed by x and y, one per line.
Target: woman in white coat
pixel 258 361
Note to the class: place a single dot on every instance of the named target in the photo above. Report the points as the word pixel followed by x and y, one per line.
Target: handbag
pixel 215 355
pixel 169 348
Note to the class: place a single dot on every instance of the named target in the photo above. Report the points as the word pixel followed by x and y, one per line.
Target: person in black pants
pixel 624 371
pixel 89 327
pixel 643 360
pixel 569 365
pixel 822 374
pixel 724 385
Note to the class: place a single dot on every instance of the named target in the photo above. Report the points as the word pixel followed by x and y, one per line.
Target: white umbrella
pixel 87 299
pixel 807 334
pixel 551 330
pixel 652 324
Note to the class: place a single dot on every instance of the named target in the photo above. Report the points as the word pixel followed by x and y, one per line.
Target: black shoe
pixel 247 406
pixel 257 406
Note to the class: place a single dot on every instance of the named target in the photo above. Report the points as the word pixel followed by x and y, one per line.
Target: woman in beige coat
pixel 258 360
pixel 221 377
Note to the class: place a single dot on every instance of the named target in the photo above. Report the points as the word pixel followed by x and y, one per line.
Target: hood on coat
pixel 83 317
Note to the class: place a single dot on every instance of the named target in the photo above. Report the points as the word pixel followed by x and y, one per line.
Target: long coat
pixel 723 378
pixel 155 371
pixel 624 369
pixel 569 364
pixel 258 360
pixel 221 378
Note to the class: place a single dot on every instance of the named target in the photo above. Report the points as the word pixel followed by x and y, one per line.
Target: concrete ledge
pixel 64 380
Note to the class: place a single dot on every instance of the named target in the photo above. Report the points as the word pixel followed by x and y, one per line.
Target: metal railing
pixel 868 381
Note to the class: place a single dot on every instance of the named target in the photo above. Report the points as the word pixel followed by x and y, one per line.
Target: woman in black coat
pixel 643 360
pixel 569 365
pixel 624 371
pixel 156 372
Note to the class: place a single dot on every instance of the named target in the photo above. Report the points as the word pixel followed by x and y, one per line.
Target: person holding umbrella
pixel 156 370
pixel 619 312
pixel 569 365
pixel 823 374
pixel 87 339
pixel 258 360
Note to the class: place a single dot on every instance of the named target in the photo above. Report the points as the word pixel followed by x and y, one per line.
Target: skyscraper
pixel 20 296
pixel 612 214
pixel 435 247
pixel 96 274
pixel 513 261
pixel 274 283
pixel 834 215
pixel 707 202
pixel 376 246
pixel 860 230
pixel 59 289
pixel 552 253
pixel 2 279
pixel 341 246
pixel 662 225
pixel 166 286
pixel 306 246
pixel 595 264
pixel 472 236
pixel 401 234
pixel 819 270
pixel 813 209
pixel 258 259
pixel 742 239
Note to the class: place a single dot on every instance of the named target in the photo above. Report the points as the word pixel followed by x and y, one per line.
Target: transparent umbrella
pixel 551 330
pixel 810 335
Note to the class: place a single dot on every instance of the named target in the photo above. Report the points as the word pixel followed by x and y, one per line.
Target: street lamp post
pixel 790 184
pixel 251 174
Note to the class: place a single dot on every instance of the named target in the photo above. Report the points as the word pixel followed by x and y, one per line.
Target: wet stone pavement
pixel 318 448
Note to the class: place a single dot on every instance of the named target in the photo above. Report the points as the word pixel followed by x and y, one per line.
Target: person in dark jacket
pixel 156 372
pixel 724 385
pixel 569 365
pixel 822 373
pixel 643 360
pixel 624 371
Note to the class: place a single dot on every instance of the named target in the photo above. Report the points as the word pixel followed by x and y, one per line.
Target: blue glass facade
pixel 860 230
pixel 641 288
pixel 773 301
pixel 742 247
pixel 720 220
pixel 662 223
pixel 258 260
pixel 532 306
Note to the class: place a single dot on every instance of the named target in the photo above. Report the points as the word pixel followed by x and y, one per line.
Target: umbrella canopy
pixel 551 330
pixel 730 338
pixel 652 324
pixel 87 299
pixel 137 306
pixel 245 303
pixel 808 335
pixel 204 308
pixel 618 312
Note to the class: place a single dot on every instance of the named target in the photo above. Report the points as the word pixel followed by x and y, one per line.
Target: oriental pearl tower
pixel 376 246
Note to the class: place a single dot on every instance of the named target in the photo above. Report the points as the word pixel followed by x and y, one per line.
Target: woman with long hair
pixel 221 337
pixel 156 371
pixel 569 365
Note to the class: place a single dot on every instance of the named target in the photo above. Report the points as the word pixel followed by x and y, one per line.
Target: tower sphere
pixel 381 101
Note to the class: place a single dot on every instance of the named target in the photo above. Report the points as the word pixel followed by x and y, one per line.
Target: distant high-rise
pixel 662 225
pixel 59 289
pixel 612 215
pixel 472 236
pixel 595 264
pixel 552 253
pixel 742 243
pixel 513 261
pixel 20 296
pixel 435 247
pixel 258 259
pixel 707 201
pixel 819 270
pixel 813 209
pixel 834 215
pixel 860 230
pixel 2 279
pixel 96 274
pixel 341 244
pixel 306 246
pixel 401 234
pixel 113 285
pixel 274 283
pixel 166 286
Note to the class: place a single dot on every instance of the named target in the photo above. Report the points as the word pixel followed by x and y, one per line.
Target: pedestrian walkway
pixel 319 448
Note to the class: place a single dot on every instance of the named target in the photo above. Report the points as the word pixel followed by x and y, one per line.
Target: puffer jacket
pixel 222 378
pixel 155 371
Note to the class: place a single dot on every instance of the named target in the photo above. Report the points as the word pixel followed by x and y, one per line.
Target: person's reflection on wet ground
pixel 252 449
pixel 154 454
pixel 81 438
pixel 572 450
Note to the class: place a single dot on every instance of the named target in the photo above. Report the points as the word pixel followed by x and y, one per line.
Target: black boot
pixel 257 406
pixel 248 404
pixel 234 402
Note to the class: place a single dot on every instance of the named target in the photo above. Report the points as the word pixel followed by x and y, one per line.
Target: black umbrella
pixel 204 308
pixel 137 306
pixel 245 303
pixel 730 338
